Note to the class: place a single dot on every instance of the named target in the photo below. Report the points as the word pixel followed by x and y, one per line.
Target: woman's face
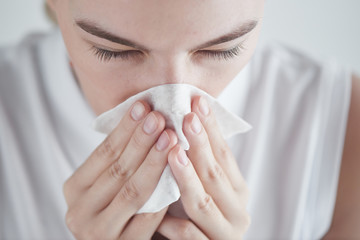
pixel 121 47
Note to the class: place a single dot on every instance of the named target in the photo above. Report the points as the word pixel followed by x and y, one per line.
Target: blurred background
pixel 322 28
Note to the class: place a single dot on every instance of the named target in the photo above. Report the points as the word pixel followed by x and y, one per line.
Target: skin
pixel 168 39
pixel 345 224
pixel 103 195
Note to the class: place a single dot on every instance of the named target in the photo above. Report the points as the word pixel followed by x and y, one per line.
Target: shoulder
pixel 292 79
pixel 291 72
pixel 276 52
pixel 286 63
pixel 347 209
pixel 298 105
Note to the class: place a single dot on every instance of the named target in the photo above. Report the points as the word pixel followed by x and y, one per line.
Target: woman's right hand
pixel 106 191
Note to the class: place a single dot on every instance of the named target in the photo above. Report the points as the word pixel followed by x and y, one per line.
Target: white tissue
pixel 174 102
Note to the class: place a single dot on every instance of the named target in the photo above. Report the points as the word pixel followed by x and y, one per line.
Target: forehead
pixel 162 22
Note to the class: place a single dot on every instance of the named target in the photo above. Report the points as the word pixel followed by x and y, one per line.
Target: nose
pixel 176 70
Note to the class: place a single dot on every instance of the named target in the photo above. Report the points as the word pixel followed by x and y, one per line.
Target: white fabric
pixel 296 105
pixel 173 101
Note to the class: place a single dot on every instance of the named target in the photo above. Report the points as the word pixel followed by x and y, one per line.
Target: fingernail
pixel 150 124
pixel 182 158
pixel 138 111
pixel 195 125
pixel 204 107
pixel 163 141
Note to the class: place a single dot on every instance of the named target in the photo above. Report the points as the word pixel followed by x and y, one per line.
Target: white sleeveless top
pixel 291 158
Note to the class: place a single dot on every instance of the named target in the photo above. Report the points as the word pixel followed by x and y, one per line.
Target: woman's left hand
pixel 213 191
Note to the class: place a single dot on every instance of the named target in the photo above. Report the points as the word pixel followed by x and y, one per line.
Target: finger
pixel 108 151
pixel 102 192
pixel 221 150
pixel 138 188
pixel 198 204
pixel 211 174
pixel 182 229
pixel 143 226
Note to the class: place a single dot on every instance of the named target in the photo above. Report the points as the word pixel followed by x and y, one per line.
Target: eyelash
pixel 106 55
pixel 223 55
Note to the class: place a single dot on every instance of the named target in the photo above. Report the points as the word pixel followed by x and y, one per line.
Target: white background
pixel 323 28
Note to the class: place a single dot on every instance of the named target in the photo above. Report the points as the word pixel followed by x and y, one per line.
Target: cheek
pixel 215 82
pixel 104 84
pixel 219 76
pixel 224 74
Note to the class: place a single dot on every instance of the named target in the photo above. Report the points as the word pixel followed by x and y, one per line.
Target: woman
pixel 298 108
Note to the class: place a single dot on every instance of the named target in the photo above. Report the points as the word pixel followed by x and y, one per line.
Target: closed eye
pixel 222 55
pixel 107 55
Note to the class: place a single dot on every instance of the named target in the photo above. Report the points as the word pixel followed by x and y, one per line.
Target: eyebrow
pixel 94 29
pixel 240 31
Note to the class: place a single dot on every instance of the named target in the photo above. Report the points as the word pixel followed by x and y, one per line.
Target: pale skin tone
pixel 120 48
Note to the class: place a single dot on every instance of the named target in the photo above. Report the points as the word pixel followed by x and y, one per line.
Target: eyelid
pixel 239 45
pixel 120 47
pixel 218 50
pixel 223 54
pixel 233 44
pixel 112 49
pixel 225 45
pixel 106 55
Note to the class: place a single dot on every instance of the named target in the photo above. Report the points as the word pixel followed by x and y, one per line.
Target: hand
pixel 104 194
pixel 213 191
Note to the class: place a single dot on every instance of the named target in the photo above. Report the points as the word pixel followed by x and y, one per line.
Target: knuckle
pixel 67 189
pixel 130 191
pixel 186 230
pixel 205 205
pixel 138 141
pixel 107 148
pixel 215 173
pixel 71 190
pixel 224 153
pixel 72 222
pixel 81 230
pixel 153 162
pixel 245 222
pixel 119 171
